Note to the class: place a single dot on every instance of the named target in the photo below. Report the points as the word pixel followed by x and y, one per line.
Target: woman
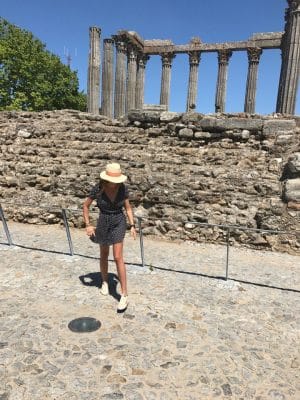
pixel 111 196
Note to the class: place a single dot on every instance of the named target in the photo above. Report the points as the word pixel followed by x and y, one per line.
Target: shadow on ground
pixel 96 278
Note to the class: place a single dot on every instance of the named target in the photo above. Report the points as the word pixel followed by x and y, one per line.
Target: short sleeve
pixel 126 194
pixel 93 192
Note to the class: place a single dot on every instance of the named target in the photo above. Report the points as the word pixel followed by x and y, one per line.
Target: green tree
pixel 32 78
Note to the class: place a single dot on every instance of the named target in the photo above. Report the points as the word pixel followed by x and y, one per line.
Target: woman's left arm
pixel 130 217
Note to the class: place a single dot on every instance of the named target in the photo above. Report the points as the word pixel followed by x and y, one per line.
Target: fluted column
pixel 194 59
pixel 140 81
pixel 253 61
pixel 290 55
pixel 120 80
pixel 93 89
pixel 107 78
pixel 167 59
pixel 223 59
pixel 131 78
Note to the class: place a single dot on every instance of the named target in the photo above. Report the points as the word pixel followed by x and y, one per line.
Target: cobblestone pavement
pixel 187 333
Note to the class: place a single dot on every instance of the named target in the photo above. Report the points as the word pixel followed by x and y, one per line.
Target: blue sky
pixel 63 25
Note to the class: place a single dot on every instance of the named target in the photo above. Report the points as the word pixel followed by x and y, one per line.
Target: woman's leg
pixel 118 257
pixel 104 252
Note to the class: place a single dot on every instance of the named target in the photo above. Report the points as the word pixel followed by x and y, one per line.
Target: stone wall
pixel 236 169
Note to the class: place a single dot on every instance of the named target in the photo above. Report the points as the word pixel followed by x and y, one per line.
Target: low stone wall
pixel 183 168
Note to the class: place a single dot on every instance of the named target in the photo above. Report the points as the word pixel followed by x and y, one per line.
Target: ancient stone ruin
pixel 123 73
pixel 183 168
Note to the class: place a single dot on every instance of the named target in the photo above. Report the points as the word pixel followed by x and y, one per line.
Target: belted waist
pixel 106 212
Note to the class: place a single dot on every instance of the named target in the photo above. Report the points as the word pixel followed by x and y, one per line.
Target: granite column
pixel 167 59
pixel 223 59
pixel 194 59
pixel 140 81
pixel 107 78
pixel 120 80
pixel 290 66
pixel 253 61
pixel 93 89
pixel 131 78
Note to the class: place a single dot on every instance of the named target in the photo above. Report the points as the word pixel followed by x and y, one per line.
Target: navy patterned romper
pixel 111 224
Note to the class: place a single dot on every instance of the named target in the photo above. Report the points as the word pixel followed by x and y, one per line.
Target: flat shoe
pixel 104 289
pixel 123 304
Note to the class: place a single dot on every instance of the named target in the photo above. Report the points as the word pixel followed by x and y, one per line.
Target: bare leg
pixel 104 252
pixel 118 257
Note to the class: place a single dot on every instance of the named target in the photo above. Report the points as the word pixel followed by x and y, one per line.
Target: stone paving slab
pixel 187 334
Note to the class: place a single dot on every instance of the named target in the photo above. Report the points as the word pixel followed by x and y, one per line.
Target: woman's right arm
pixel 90 230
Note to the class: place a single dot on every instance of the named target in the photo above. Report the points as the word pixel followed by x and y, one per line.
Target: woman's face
pixel 111 185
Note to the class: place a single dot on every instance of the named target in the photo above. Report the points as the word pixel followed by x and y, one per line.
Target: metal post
pixel 5 226
pixel 227 253
pixel 141 240
pixel 63 211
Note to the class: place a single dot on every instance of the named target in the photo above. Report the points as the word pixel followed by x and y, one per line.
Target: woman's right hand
pixel 90 230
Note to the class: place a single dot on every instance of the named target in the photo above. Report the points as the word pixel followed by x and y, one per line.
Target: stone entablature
pixel 157 42
pixel 267 36
pixel 263 42
pixel 157 46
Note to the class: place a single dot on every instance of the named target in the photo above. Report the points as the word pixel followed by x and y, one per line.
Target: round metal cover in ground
pixel 84 324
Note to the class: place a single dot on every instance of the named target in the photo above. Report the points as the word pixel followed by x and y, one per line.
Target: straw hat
pixel 113 173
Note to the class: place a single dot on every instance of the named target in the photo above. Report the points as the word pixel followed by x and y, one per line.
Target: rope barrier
pixel 63 212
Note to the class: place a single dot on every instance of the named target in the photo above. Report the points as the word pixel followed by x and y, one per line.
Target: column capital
pixel 194 57
pixel 254 54
pixel 167 59
pixel 142 60
pixel 132 52
pixel 294 5
pixel 95 29
pixel 108 40
pixel 224 55
pixel 121 44
pixel 121 47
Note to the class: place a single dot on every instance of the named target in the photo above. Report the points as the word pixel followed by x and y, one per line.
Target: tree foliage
pixel 32 78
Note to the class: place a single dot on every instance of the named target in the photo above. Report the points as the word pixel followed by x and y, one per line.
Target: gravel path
pixel 187 333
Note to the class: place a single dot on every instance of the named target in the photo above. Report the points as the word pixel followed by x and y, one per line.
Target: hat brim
pixel 114 179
